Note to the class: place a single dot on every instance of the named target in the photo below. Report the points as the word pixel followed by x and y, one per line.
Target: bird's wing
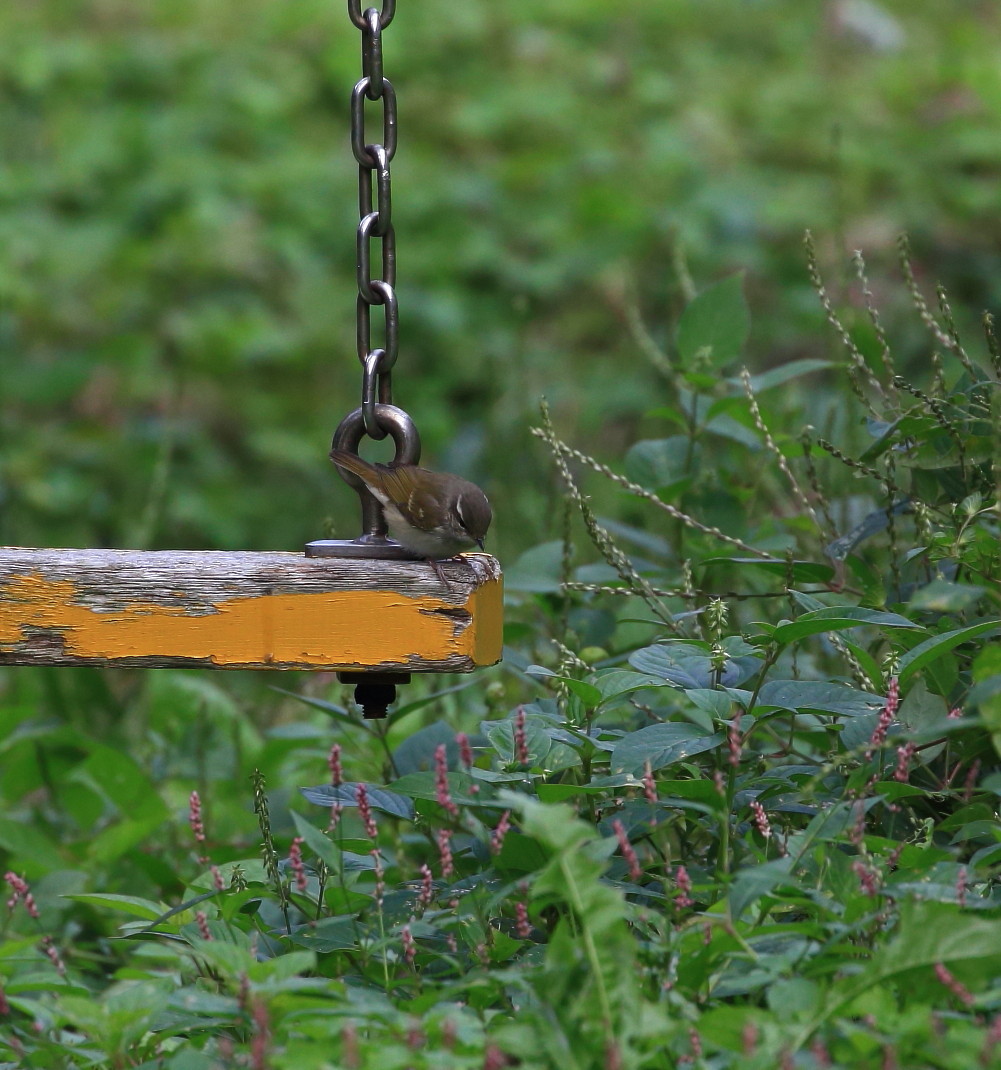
pixel 420 502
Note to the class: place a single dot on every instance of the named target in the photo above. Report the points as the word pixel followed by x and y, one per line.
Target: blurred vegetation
pixel 177 206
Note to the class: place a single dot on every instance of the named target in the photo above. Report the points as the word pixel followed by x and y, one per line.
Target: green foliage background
pixel 177 205
pixel 687 822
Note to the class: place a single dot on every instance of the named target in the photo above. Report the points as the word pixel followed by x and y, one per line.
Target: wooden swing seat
pixel 247 610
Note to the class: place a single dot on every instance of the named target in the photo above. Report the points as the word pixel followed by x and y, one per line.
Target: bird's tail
pixel 353 463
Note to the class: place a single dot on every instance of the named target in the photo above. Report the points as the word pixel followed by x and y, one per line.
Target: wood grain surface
pixel 247 610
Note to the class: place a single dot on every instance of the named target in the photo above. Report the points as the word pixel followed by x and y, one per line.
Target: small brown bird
pixel 432 514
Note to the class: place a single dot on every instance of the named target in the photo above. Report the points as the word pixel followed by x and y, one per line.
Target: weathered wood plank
pixel 245 610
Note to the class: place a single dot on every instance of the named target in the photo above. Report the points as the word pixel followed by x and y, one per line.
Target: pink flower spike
pixel 523 925
pixel 203 925
pixel 503 827
pixel 821 1056
pixel 683 883
pixel 21 891
pixel 365 812
pixel 465 749
pixel 426 894
pixel 696 1042
pixel 442 794
pixel 904 756
pixel 449 1034
pixel 494 1058
pixel 734 739
pixel 962 883
pixel 521 754
pixel 334 765
pixel 297 865
pixel 866 877
pixel 409 947
pixel 217 881
pixel 970 784
pixel 649 784
pixel 627 850
pixel 761 819
pixel 261 1041
pixel 955 714
pixel 886 715
pixel 445 853
pixel 380 879
pixel 956 987
pixel 991 1041
pixel 195 821
pixel 53 955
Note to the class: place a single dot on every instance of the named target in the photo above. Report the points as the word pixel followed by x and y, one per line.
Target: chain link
pixel 375 211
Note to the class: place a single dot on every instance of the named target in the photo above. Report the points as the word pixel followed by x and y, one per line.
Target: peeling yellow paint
pixel 487 629
pixel 328 629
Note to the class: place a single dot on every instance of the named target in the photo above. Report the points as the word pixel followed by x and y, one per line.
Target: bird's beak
pixel 479 543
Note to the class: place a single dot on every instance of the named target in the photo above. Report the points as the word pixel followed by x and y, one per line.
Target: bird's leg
pixel 436 565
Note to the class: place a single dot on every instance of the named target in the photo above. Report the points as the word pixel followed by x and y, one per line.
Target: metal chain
pixel 375 215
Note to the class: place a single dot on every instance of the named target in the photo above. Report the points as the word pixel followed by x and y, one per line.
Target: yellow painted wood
pixel 190 609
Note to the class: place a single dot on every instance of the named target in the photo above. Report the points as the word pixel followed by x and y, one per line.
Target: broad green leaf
pixel 321 845
pixel 924 653
pixel 688 666
pixel 537 739
pixel 715 324
pixel 330 934
pixel 835 619
pixel 424 786
pixel 718 704
pixel 941 596
pixel 417 752
pixel 538 570
pixel 782 374
pixel 838 699
pixel 128 904
pixel 660 745
pixel 339 713
pixel 799 571
pixel 347 795
pixel 752 883
pixel 613 682
pixel 660 462
pixel 929 933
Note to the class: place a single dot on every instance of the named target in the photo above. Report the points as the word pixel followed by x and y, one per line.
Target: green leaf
pixel 929 933
pixel 331 934
pixel 660 462
pixel 835 619
pixel 752 883
pixel 424 786
pixel 347 795
pixel 610 683
pixel 661 744
pixel 715 324
pixel 782 374
pixel 800 571
pixel 537 739
pixel 320 844
pixel 941 596
pixel 838 699
pixel 924 653
pixel 688 666
pixel 538 570
pixel 417 752
pixel 128 904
